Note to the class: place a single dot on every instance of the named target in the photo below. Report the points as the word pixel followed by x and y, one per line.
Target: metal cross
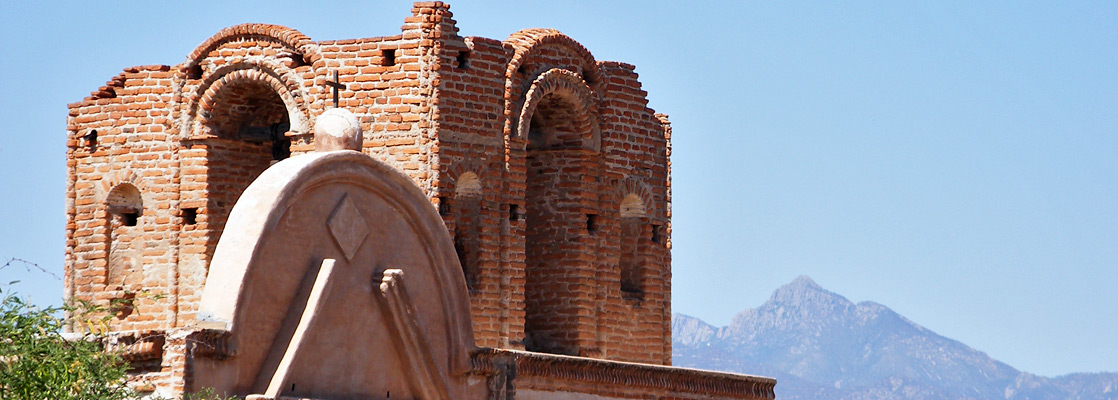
pixel 335 85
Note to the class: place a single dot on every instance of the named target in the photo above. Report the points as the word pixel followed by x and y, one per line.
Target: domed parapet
pixel 335 253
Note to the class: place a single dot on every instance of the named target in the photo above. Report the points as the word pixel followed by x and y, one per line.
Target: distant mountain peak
pixel 821 346
pixel 805 282
pixel 690 330
pixel 803 291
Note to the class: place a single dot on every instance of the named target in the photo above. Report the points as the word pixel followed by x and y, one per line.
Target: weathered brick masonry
pixel 548 167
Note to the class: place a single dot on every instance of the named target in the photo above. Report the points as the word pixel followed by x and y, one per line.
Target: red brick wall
pixel 131 117
pixel 442 108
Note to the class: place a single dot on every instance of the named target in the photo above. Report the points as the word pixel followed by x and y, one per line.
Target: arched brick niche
pixel 243 121
pixel 124 206
pixel 561 166
pixel 560 112
pixel 639 236
pixel 634 244
pixel 470 205
pixel 467 210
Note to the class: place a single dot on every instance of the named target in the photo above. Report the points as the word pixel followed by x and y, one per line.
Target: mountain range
pixel 821 346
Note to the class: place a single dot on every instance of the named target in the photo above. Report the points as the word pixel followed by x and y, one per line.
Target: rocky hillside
pixel 821 346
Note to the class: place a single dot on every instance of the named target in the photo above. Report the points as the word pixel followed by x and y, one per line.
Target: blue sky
pixel 952 160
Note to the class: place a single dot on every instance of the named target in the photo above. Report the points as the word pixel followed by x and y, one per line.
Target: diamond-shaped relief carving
pixel 348 228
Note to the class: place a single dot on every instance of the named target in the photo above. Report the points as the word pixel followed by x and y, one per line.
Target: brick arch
pixel 469 184
pixel 464 215
pixel 125 195
pixel 636 186
pixel 116 178
pixel 574 90
pixel 632 205
pixel 526 44
pixel 290 38
pixel 203 100
pixel 454 171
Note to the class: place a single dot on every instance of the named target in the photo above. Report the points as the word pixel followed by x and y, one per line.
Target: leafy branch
pixel 37 362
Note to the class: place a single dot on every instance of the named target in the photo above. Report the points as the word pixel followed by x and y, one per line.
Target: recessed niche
pixel 189 216
pixel 130 218
pixel 90 139
pixel 388 57
pixel 463 60
pixel 125 204
pixel 631 260
pixel 194 72
pixel 444 205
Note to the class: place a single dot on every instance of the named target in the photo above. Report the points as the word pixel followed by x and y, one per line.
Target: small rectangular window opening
pixel 388 57
pixel 130 218
pixel 591 223
pixel 655 233
pixel 91 140
pixel 463 60
pixel 444 205
pixel 514 212
pixel 189 216
pixel 194 72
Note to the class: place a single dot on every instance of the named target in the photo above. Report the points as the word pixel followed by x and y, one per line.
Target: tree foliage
pixel 37 362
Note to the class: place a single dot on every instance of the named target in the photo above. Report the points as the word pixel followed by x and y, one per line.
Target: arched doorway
pixel 561 168
pixel 248 122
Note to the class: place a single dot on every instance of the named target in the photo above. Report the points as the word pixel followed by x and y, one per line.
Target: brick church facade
pixel 548 168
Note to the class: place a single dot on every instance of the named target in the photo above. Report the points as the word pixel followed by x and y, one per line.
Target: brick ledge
pixel 489 362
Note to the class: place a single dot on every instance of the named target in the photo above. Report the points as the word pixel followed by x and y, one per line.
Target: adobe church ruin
pixel 543 170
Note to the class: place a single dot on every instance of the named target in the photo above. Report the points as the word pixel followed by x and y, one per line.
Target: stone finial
pixel 337 129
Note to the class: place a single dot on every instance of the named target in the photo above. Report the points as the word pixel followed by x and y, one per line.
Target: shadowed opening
pixel 557 226
pixel 248 126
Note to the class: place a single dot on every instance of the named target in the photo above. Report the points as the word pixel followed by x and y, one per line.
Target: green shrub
pixel 36 362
